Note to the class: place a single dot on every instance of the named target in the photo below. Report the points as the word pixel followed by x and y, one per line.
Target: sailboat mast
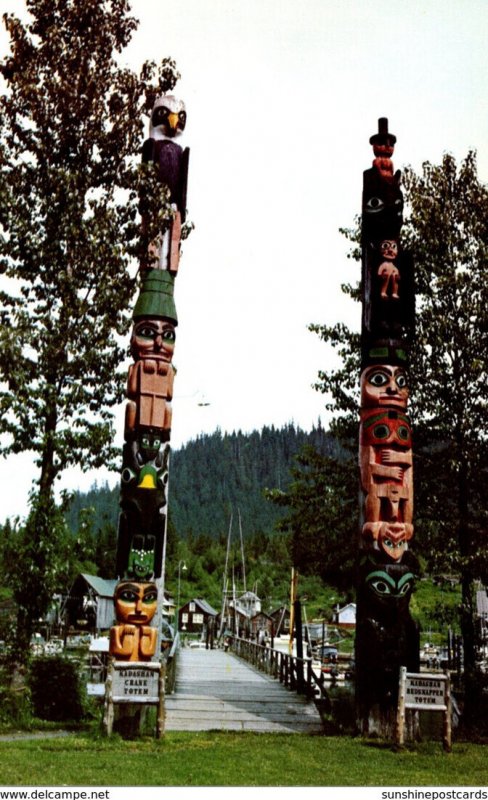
pixel 234 598
pixel 242 552
pixel 225 581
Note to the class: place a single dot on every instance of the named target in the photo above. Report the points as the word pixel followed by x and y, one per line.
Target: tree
pixel 35 558
pixel 321 518
pixel 447 232
pixel 70 138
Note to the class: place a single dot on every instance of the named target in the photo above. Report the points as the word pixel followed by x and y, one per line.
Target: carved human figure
pixel 388 272
pixel 132 638
pixel 386 466
pixel 150 380
pixel 149 392
pixel 384 385
pixel 153 338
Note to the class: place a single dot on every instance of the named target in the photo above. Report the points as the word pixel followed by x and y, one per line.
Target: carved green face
pixel 150 444
pixel 141 558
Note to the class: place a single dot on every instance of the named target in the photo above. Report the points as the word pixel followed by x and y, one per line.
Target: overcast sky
pixel 282 98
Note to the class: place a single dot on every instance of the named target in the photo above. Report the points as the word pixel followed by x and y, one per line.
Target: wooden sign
pixel 130 682
pixel 419 691
pixel 426 692
pixel 135 684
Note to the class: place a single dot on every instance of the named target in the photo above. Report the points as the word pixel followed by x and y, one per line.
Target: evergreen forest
pixel 220 492
pixel 258 501
pixel 263 489
pixel 213 476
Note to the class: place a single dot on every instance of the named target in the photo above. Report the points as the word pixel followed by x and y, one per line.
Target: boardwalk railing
pixel 295 673
pixel 171 665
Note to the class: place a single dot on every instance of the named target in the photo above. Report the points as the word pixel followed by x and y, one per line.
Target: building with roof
pixel 248 603
pixel 260 624
pixel 281 621
pixel 239 612
pixel 194 616
pixel 346 615
pixel 89 605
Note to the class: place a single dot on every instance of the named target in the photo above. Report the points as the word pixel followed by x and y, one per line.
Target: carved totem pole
pixel 145 461
pixel 386 636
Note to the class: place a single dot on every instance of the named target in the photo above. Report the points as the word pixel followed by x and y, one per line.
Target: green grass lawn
pixel 237 759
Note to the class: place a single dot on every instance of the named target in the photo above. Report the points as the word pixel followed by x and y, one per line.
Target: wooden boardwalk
pixel 218 691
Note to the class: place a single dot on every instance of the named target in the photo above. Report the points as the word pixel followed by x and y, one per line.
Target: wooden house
pixel 194 616
pixel 346 615
pixel 281 621
pixel 260 624
pixel 89 605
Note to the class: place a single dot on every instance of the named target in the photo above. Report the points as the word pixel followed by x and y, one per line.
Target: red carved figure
pixel 386 466
pixel 383 147
pixel 383 162
pixel 391 537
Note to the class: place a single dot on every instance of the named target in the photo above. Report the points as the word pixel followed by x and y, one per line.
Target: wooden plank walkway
pixel 218 691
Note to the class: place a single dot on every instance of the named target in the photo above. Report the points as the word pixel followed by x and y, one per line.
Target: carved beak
pixel 173 122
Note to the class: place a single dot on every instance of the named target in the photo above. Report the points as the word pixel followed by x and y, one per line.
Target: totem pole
pixel 145 460
pixel 386 635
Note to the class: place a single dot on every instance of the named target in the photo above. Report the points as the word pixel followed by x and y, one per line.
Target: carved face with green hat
pixel 153 333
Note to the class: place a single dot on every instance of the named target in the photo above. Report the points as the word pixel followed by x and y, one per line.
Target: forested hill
pixel 216 475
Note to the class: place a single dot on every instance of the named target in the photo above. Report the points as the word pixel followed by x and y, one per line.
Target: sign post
pixel 132 682
pixel 424 692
